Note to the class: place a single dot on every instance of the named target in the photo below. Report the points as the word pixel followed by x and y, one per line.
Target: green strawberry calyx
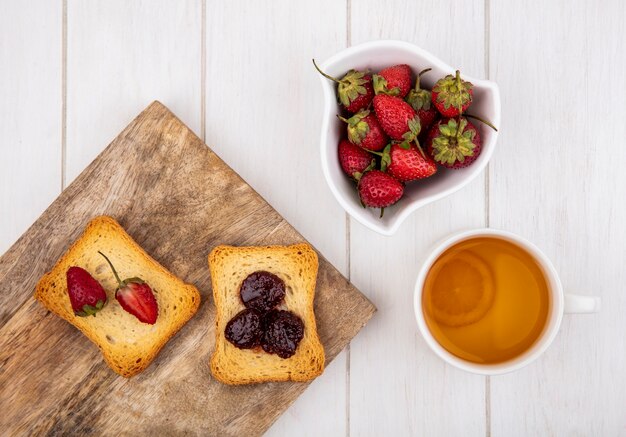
pixel 419 98
pixel 357 126
pixel 357 175
pixel 453 91
pixel 381 87
pixel 350 86
pixel 385 157
pixel 454 143
pixel 410 136
pixel 89 310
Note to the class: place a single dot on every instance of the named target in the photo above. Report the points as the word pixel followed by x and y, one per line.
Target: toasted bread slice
pixel 297 266
pixel 128 345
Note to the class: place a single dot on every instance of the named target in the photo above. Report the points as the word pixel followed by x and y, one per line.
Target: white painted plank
pixel 263 118
pixel 121 56
pixel 397 385
pixel 558 179
pixel 30 108
pixel 263 105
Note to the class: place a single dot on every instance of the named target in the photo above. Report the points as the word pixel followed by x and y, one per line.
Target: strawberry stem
pixel 419 147
pixel 119 281
pixel 419 75
pixel 482 121
pixel 458 88
pixel 345 120
pixel 326 75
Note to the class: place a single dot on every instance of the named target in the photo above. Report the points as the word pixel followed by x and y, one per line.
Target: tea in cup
pixel 490 302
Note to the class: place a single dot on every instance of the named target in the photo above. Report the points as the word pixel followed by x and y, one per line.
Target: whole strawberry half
pixel 393 81
pixel 408 164
pixel 365 131
pixel 452 95
pixel 86 294
pixel 454 142
pixel 379 190
pixel 397 118
pixel 354 91
pixel 136 297
pixel 354 160
pixel 420 101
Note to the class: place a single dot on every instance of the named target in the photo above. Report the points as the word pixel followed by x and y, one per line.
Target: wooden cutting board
pixel 178 200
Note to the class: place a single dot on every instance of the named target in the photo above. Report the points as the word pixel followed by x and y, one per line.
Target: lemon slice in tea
pixel 459 289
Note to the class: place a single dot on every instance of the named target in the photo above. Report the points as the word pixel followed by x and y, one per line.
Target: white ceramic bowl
pixel 375 56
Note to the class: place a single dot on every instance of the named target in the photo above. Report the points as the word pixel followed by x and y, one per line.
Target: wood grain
pixel 557 178
pixel 30 113
pixel 178 200
pixel 397 385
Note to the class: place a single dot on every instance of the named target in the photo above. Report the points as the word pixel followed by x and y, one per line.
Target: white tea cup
pixel 560 303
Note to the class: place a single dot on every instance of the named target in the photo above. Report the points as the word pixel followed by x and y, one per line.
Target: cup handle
pixel 576 304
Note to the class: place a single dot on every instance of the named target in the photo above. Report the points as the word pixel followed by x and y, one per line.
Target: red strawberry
pixel 136 297
pixel 354 160
pixel 86 294
pixel 454 142
pixel 396 117
pixel 420 101
pixel 409 164
pixel 452 95
pixel 394 81
pixel 365 131
pixel 379 190
pixel 354 90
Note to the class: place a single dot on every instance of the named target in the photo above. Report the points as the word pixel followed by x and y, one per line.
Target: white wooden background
pixel 74 73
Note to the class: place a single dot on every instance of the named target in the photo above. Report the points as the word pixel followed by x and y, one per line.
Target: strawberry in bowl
pixel 439 124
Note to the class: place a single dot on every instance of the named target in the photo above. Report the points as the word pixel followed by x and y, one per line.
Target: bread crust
pixel 104 329
pixel 297 265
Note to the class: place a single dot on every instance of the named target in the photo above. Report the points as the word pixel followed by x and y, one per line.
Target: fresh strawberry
pixel 86 294
pixel 397 118
pixel 452 95
pixel 379 190
pixel 354 160
pixel 454 142
pixel 408 164
pixel 354 90
pixel 393 81
pixel 420 101
pixel 365 131
pixel 136 297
